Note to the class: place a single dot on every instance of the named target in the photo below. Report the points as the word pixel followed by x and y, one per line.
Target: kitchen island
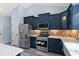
pixel 7 50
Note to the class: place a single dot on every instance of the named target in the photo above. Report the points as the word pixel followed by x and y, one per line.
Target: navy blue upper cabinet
pixel 32 21
pixel 54 21
pixel 28 19
pixel 66 18
pixel 35 23
pixel 75 16
pixel 44 18
pixel 70 14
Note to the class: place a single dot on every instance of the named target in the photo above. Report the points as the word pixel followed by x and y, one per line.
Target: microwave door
pixel 43 26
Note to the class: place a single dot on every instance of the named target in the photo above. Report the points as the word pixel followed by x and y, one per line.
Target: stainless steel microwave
pixel 43 25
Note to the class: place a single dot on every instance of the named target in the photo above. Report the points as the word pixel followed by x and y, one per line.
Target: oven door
pixel 41 43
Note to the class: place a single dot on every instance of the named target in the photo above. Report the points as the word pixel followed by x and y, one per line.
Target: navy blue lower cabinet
pixel 55 45
pixel 33 42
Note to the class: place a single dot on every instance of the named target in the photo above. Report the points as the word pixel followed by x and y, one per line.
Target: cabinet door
pixel 75 17
pixel 35 23
pixel 64 19
pixel 52 45
pixel 44 18
pixel 55 45
pixel 33 42
pixel 28 19
pixel 54 22
pixel 70 14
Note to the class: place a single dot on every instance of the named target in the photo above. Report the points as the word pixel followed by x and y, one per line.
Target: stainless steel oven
pixel 42 43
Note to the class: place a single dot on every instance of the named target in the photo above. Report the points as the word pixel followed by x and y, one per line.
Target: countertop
pixel 7 50
pixel 65 39
pixel 34 35
pixel 71 44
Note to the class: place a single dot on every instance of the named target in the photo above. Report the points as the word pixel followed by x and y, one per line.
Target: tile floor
pixel 35 52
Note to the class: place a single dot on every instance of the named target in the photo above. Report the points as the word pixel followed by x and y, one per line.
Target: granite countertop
pixel 71 44
pixel 65 39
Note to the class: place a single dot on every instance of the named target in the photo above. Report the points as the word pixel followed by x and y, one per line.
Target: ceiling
pixel 5 8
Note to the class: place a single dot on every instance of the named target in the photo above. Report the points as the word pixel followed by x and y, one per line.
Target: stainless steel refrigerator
pixel 24 40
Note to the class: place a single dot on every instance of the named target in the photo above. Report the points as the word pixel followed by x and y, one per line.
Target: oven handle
pixel 38 42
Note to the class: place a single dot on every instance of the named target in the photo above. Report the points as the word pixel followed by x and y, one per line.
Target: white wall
pixel 6 29
pixel 16 19
pixel 1 29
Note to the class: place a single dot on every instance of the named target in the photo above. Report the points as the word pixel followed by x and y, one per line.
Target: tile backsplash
pixel 34 32
pixel 66 33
